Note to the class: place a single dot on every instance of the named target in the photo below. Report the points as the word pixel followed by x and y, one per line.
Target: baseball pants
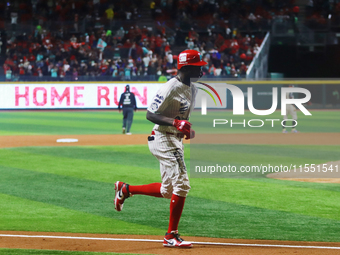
pixel 290 110
pixel 168 149
pixel 127 118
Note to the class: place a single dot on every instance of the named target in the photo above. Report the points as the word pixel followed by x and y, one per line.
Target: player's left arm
pixel 183 126
pixel 159 119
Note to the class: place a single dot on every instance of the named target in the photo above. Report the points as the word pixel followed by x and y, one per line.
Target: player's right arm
pixel 134 103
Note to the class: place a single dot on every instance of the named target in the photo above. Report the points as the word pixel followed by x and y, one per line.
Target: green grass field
pixel 70 189
pixel 110 122
pixel 50 252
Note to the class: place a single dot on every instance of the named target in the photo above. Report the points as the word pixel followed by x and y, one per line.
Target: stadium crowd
pixel 101 39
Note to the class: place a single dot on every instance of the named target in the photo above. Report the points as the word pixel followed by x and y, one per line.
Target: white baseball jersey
pixel 174 100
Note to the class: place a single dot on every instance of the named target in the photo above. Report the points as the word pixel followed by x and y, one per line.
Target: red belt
pixel 179 135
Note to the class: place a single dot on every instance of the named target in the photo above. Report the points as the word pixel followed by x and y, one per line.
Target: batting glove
pixel 185 127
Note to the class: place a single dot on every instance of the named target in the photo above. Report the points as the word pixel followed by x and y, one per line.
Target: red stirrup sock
pixel 152 189
pixel 176 208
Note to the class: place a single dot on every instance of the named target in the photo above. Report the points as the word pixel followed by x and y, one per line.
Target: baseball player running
pixel 170 110
pixel 290 110
pixel 128 101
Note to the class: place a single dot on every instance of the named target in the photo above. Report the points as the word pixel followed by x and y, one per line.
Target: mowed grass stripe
pixel 70 122
pixel 73 121
pixel 201 217
pixel 63 115
pixel 316 115
pixel 329 152
pixel 131 149
pixel 80 168
pixel 27 214
pixel 71 114
pixel 320 121
pixel 272 196
pixel 110 122
pixel 290 157
pixel 58 123
pixel 208 217
pixel 110 172
pixel 245 194
pixel 51 116
pixel 95 117
pixel 37 129
pixel 250 159
pixel 231 154
pixel 133 155
pixel 314 185
pixel 49 252
pixel 32 129
pixel 11 132
pixel 85 196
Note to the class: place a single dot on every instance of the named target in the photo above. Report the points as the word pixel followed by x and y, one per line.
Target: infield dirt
pixel 135 247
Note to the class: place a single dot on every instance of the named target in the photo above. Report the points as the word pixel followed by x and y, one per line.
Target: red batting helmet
pixel 190 58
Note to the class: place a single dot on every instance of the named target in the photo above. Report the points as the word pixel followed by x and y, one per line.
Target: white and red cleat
pixel 173 240
pixel 121 193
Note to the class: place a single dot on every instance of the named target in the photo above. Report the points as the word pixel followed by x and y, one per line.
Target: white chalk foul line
pixel 160 241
